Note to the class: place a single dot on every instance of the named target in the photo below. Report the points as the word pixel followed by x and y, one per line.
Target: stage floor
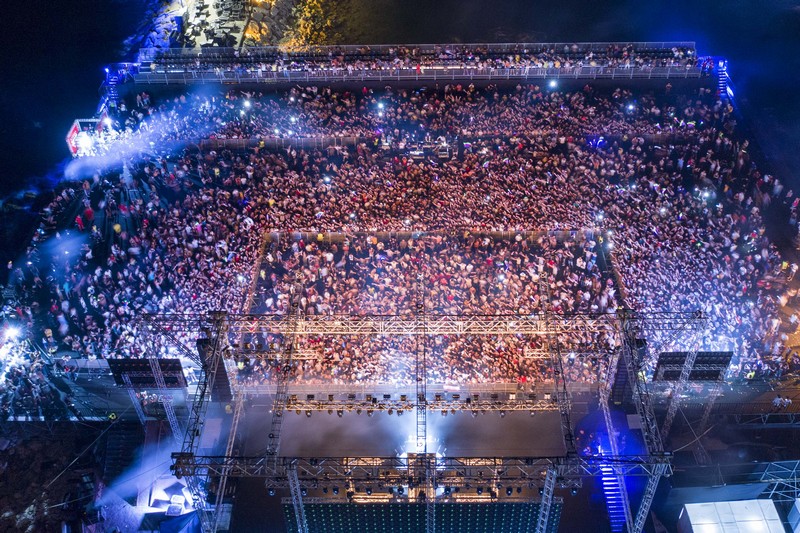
pixel 518 434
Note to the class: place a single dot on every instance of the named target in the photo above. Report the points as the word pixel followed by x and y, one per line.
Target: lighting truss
pixel 424 324
pixel 406 404
pixel 453 471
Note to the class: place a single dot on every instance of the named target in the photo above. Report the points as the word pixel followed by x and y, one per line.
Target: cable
pixel 87 448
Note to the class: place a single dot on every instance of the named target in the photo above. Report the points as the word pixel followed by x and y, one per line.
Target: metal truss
pixel 605 391
pixel 281 392
pixel 451 471
pixel 297 501
pixel 214 326
pixel 783 491
pixel 776 419
pixel 238 407
pixel 166 400
pixel 621 330
pixel 548 490
pixel 559 382
pixel 149 336
pixel 633 329
pixel 164 326
pixel 405 404
pixel 784 481
pixel 697 328
pixel 651 324
pixel 137 405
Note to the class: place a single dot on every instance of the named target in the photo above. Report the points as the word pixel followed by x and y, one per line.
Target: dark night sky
pixel 52 53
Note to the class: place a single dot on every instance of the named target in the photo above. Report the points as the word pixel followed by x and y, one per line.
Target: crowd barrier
pixel 377 50
pixel 190 76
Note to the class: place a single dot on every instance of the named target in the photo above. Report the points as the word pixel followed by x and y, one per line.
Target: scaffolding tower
pixel 569 470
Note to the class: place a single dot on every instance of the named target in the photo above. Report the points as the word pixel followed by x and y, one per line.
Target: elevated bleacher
pixel 501 61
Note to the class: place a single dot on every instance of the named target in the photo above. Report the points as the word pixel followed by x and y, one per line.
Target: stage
pixel 517 434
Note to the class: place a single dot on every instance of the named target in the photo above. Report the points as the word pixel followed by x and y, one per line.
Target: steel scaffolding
pixel 605 391
pixel 297 501
pixel 625 327
pixel 424 324
pixel 697 328
pixel 632 330
pixel 548 491
pixel 285 368
pixel 453 471
pixel 137 405
pixel 238 406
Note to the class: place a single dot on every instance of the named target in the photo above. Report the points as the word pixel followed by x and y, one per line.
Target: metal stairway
pixel 614 500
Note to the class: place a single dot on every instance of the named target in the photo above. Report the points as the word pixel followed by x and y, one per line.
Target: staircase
pixel 614 496
pixel 723 79
pixel 621 391
pixel 111 91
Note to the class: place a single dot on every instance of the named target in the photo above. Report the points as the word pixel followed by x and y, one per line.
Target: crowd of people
pixel 565 56
pixel 400 118
pixel 681 212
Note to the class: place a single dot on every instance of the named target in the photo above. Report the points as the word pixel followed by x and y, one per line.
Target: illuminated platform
pixel 517 434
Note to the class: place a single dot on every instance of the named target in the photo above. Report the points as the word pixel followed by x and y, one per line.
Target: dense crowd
pixel 682 212
pixel 401 118
pixel 262 61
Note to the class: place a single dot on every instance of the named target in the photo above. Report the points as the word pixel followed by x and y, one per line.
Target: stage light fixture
pixel 335 491
pixel 474 414
pixel 399 412
pixel 509 491
pixel 304 491
pixel 541 491
pixel 271 492
pixel 308 414
pixel 574 491
pixel 369 491
pixel 400 490
pixel 391 411
pixel 444 412
pixel 339 413
pixel 358 411
pixel 324 490
pixel 12 333
pixel 553 84
pixel 369 412
pixel 479 490
pixel 502 414
pixel 330 411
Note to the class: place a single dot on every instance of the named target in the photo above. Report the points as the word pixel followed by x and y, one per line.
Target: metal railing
pixel 239 76
pixel 151 54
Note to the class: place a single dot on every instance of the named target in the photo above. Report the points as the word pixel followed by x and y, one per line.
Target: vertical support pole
pixel 560 383
pixel 134 399
pixel 631 327
pixel 547 500
pixel 284 366
pixel 223 479
pixel 297 499
pixel 166 400
pixel 427 472
pixel 680 386
pixel 647 498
